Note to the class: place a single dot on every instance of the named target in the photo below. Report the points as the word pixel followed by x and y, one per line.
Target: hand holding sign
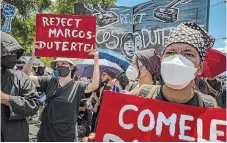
pixel 95 53
pixel 65 35
pixel 35 46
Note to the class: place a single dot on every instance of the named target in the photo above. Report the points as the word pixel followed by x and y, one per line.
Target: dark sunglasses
pixel 7 53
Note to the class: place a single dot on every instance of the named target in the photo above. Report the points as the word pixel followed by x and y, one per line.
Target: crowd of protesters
pixel 69 106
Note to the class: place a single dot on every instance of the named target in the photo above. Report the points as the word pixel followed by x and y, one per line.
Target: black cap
pixel 10 44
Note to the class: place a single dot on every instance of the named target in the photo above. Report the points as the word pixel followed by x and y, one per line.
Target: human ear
pixel 71 67
pixel 201 68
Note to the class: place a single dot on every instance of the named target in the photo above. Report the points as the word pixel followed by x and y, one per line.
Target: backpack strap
pixel 199 99
pixel 151 91
pixel 154 92
pixel 206 100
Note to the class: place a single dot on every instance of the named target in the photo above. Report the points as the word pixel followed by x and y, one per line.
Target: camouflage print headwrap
pixel 192 34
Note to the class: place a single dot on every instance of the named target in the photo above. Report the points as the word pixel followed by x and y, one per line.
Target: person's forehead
pixel 104 73
pixel 181 47
pixel 62 62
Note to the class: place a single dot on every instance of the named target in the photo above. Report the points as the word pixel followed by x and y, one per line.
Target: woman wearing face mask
pixel 63 96
pixel 182 60
pixel 145 65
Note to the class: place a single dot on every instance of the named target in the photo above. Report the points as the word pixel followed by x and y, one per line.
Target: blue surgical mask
pixel 55 74
pixel 42 97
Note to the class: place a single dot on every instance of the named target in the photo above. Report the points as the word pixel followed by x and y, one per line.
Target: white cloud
pixel 223 50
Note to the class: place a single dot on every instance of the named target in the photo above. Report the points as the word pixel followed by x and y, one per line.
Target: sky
pixel 217 19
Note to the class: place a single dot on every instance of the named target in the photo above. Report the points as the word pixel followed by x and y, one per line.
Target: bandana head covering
pixel 149 59
pixel 192 34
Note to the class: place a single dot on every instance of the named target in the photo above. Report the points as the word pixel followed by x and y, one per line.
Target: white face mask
pixel 132 73
pixel 177 71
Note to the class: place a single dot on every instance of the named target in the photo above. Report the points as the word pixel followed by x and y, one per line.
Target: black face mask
pixel 8 61
pixel 40 71
pixel 103 82
pixel 106 81
pixel 63 71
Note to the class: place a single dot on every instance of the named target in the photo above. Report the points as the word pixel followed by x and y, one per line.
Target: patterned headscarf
pixel 192 34
pixel 149 59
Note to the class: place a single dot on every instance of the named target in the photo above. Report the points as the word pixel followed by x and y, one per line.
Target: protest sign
pixel 146 25
pixel 65 35
pixel 127 118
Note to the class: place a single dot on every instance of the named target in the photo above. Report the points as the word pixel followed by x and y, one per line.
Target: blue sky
pixel 217 19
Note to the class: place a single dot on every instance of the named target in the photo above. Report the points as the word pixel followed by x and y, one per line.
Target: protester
pixel 145 66
pixel 19 98
pixel 123 80
pixel 107 77
pixel 40 71
pixel 84 120
pixel 182 60
pixel 63 97
pixel 20 63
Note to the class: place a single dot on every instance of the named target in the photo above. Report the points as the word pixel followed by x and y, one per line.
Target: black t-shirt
pixel 61 113
pixel 193 101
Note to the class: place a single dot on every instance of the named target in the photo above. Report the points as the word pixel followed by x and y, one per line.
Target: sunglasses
pixel 7 53
pixel 104 74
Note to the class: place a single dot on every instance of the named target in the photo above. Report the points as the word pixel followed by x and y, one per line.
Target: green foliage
pixel 23 23
pixel 67 6
pixel 47 60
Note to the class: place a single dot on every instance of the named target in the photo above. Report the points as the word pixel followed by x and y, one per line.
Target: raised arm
pixel 96 73
pixel 28 66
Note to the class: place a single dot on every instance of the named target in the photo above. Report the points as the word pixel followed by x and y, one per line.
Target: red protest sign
pixel 69 36
pixel 129 118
